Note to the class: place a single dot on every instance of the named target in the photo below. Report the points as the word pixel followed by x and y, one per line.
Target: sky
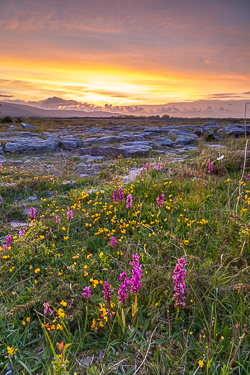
pixel 116 54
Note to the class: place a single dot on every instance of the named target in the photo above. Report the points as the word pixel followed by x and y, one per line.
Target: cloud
pixel 225 95
pixel 6 96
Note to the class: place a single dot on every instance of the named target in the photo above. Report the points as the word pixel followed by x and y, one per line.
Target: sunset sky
pixel 88 53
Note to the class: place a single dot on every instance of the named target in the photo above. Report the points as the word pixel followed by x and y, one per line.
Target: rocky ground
pixel 93 143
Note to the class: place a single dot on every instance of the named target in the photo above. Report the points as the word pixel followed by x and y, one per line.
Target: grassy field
pixel 204 219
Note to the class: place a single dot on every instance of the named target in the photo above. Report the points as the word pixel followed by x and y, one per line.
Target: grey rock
pixel 82 164
pixel 102 151
pixel 161 142
pixel 136 143
pixel 70 143
pixel 32 198
pixel 69 182
pixel 89 141
pixel 30 146
pixel 156 130
pixel 18 224
pixel 109 139
pixel 27 126
pixel 236 130
pixel 1 151
pixel 93 131
pixel 83 175
pixel 26 211
pixel 90 158
pixel 181 141
pixel 13 127
pixel 216 146
pixel 136 149
pixel 132 175
pixel 183 133
pixel 28 134
pixel 86 361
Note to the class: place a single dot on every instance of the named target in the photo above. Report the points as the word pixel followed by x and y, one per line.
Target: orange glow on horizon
pixel 102 83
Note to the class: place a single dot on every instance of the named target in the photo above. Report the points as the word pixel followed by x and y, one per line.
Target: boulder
pixel 13 127
pixel 109 139
pixel 181 141
pixel 31 145
pixel 102 151
pixel 163 142
pixel 236 130
pixel 136 149
pixel 27 126
pixel 70 143
pixel 183 133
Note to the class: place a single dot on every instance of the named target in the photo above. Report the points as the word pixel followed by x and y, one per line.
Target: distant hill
pixel 15 110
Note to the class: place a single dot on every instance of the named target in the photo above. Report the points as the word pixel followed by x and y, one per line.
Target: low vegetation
pixel 151 277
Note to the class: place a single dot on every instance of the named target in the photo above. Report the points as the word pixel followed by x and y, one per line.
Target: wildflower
pixel 60 313
pixel 37 270
pixel 115 197
pixel 210 167
pixel 32 213
pixel 124 287
pixel 159 166
pixel 101 254
pixel 47 308
pixel 113 242
pixel 63 303
pixel 86 292
pixel 107 291
pixel 179 279
pixel 201 363
pixel 8 241
pixel 59 327
pixel 136 274
pixel 129 201
pixel 121 195
pixel 58 219
pixel 28 319
pixel 69 215
pixel 21 232
pixel 147 167
pixel 160 200
pixel 11 351
pixel 248 177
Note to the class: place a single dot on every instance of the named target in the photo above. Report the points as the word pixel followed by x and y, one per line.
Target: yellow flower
pixel 37 270
pixel 23 323
pixel 63 228
pixel 42 237
pixel 101 255
pixel 28 319
pixel 35 281
pixel 60 313
pixel 66 238
pixel 201 363
pixel 11 351
pixel 89 256
pixel 63 303
pixel 60 327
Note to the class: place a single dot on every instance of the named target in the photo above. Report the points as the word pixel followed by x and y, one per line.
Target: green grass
pixel 54 262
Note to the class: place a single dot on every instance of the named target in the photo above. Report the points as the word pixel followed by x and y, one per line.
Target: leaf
pixel 159 341
pixel 23 364
pixel 209 363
